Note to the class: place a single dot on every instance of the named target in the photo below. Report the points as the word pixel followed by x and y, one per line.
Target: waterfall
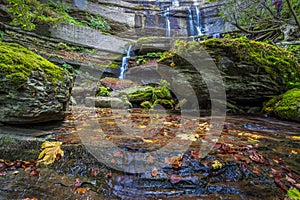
pixel 194 24
pixel 190 23
pixel 168 25
pixel 198 21
pixel 124 65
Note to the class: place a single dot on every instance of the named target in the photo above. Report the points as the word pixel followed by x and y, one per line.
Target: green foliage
pixel 103 91
pixel 18 63
pixel 142 59
pixel 29 13
pixel 293 194
pixel 99 23
pixel 2 34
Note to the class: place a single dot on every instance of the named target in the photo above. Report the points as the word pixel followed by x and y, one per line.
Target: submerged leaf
pixel 51 151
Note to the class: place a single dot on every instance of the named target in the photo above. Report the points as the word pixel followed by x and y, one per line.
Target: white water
pixel 168 25
pixel 124 65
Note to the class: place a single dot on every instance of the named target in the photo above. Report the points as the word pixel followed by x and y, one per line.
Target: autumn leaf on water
pixel 51 151
pixel 216 164
pixel 190 137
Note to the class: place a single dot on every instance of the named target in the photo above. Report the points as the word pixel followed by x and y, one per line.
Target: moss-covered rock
pixel 252 71
pixel 286 106
pixel 32 89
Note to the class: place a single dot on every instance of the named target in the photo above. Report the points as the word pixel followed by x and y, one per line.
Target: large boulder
pixel 32 89
pixel 252 71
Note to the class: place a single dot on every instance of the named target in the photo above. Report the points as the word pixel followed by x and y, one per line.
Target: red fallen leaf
pixel 175 162
pixel 238 157
pixel 257 158
pixel 196 154
pixel 81 190
pixel 95 171
pixel 30 198
pixel 34 173
pixel 289 179
pixel 150 159
pixel 154 172
pixel 108 175
pixel 256 170
pixel 76 184
pixel 175 179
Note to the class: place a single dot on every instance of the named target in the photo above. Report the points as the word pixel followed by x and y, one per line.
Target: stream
pixel 255 157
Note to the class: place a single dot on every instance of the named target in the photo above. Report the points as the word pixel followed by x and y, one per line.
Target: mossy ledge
pixel 280 63
pixel 18 63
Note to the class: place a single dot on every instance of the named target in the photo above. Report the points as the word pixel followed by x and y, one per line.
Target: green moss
pixel 18 63
pixel 114 65
pixel 286 106
pixel 146 104
pixel 279 63
pixel 169 104
pixel 289 106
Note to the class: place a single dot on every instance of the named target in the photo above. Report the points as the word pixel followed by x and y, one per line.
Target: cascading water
pixel 194 23
pixel 198 21
pixel 168 25
pixel 124 65
pixel 190 23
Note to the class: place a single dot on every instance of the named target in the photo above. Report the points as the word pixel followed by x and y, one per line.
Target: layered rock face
pixel 32 89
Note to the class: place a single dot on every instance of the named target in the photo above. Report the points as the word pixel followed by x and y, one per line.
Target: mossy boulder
pixel 285 106
pixel 32 89
pixel 145 96
pixel 252 71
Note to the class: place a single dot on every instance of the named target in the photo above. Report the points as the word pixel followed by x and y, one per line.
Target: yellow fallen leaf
pixel 51 151
pixel 216 164
pixel 295 137
pixel 148 141
pixel 142 126
pixel 294 152
pixel 110 123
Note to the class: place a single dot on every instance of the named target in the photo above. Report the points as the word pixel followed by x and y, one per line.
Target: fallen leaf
pixel 154 172
pixel 108 175
pixel 110 123
pixel 81 190
pixel 95 171
pixel 51 151
pixel 256 170
pixel 216 164
pixel 175 179
pixel 150 159
pixel 289 179
pixel 76 184
pixel 196 154
pixel 147 141
pixel 190 137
